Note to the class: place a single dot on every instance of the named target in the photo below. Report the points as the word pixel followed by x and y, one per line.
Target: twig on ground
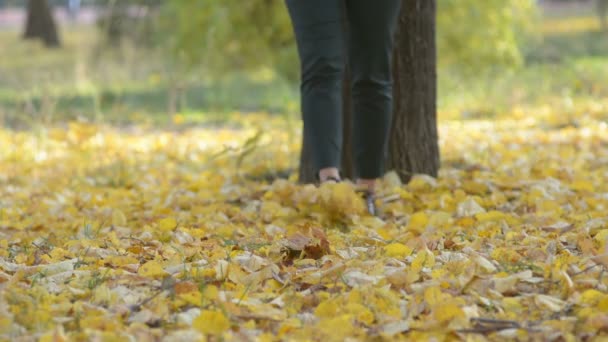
pixel 585 270
pixel 489 325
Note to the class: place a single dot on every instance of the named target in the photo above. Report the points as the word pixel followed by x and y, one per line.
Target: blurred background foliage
pixel 232 34
pixel 139 60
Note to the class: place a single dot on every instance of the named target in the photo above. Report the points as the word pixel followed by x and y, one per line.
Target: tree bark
pixel 40 23
pixel 413 144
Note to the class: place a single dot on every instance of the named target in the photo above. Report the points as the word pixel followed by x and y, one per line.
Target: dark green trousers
pixel 324 48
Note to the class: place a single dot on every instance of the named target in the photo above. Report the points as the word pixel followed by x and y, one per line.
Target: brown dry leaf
pixel 314 245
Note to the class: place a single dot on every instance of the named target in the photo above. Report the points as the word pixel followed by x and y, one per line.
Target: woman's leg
pixel 371 31
pixel 319 35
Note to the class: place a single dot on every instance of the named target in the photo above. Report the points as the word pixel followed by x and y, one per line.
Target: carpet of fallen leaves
pixel 194 233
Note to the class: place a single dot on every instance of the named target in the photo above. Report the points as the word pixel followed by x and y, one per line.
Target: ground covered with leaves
pixel 202 233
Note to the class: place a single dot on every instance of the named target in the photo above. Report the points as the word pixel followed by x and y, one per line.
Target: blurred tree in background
pixel 256 33
pixel 40 23
pixel 476 35
pixel 228 35
pixel 134 19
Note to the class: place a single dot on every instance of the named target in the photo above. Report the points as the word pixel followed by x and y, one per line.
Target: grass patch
pixel 118 85
pixel 86 80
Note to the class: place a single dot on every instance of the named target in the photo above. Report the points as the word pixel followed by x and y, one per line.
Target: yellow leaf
pixel 210 292
pixel 397 250
pixel 601 237
pixel 591 297
pixel 167 224
pixel 384 233
pixel 474 187
pixel 336 328
pixel 59 253
pixel 328 308
pixel 355 296
pixel 548 206
pixel 493 215
pixel 582 185
pixel 266 337
pixel 56 335
pixel 424 258
pixel 421 183
pixel 418 222
pixel 191 297
pixel 361 313
pixel 113 238
pixel 602 305
pixel 404 194
pixel 211 322
pixel 447 312
pixel 5 322
pixel 99 323
pixel 465 222
pixel 341 198
pixel 433 295
pixel 288 326
pixel 21 258
pixel 440 219
pixel 118 218
pixel 512 304
pixel 151 269
pixel 102 294
pixel 204 272
pixel 121 260
pixel 585 312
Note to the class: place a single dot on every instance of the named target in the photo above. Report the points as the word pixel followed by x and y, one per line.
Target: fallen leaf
pixel 211 322
pixel 151 269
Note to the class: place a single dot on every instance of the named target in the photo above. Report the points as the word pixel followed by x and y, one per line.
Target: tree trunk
pixel 413 144
pixel 40 23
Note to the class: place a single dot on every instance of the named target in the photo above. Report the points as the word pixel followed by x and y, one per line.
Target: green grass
pixel 120 84
pixel 89 80
pixel 568 63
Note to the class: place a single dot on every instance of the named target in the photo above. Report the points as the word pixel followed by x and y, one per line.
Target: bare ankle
pixel 329 173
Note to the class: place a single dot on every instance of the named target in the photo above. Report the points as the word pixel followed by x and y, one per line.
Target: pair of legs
pixel 324 47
